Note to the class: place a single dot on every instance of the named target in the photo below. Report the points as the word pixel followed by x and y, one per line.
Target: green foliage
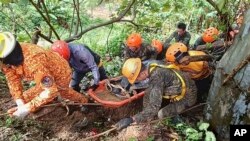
pixel 210 136
pixel 150 139
pixel 192 133
pixel 113 68
pixel 9 121
pixel 221 4
pixel 15 137
pixel 99 41
pixel 132 139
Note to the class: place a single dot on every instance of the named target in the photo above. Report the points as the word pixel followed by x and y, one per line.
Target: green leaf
pixel 132 139
pixel 180 125
pixel 9 121
pixel 195 136
pixel 110 68
pixel 203 126
pixel 190 131
pixel 52 16
pixel 210 136
pixel 23 2
pixel 150 139
pixel 221 4
pixel 5 1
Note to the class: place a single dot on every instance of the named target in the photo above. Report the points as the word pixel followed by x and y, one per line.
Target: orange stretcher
pixel 108 99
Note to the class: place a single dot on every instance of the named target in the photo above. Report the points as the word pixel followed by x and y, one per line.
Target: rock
pixel 230 103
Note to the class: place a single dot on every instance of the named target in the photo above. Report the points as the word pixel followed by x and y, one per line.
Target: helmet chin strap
pixel 15 57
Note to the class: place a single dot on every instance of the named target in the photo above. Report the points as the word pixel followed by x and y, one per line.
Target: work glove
pixel 20 111
pixel 19 102
pixel 123 123
pixel 94 87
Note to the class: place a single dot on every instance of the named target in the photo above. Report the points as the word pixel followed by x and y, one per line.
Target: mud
pixel 52 124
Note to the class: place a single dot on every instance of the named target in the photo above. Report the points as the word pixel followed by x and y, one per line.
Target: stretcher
pixel 105 97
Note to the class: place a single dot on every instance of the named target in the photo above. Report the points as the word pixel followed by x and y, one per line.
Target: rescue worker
pixel 166 85
pixel 30 62
pixel 180 35
pixel 157 44
pixel 136 48
pixel 82 60
pixel 198 71
pixel 209 36
pixel 210 41
pixel 141 84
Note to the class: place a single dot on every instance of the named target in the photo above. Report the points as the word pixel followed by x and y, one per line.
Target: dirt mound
pixel 51 123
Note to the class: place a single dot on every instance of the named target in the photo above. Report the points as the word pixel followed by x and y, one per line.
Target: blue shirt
pixel 82 60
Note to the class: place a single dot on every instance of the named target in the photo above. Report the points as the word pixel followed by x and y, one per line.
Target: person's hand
pixel 123 123
pixel 94 87
pixel 11 111
pixel 20 111
pixel 185 60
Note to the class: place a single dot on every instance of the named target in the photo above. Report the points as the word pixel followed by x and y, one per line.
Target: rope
pixel 110 87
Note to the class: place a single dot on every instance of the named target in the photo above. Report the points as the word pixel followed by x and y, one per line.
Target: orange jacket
pixel 50 72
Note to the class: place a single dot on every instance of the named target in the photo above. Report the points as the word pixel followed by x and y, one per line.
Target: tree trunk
pixel 230 103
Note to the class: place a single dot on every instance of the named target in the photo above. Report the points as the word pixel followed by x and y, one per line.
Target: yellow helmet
pixel 7 44
pixel 131 69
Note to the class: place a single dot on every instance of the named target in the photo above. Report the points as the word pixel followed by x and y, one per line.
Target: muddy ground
pixel 51 123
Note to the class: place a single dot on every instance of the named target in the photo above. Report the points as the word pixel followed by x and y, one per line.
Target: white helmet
pixel 7 44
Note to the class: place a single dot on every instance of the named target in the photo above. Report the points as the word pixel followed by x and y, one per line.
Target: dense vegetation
pixel 40 20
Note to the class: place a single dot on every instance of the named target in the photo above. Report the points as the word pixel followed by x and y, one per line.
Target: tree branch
pixel 25 30
pixel 214 5
pixel 137 25
pixel 45 37
pixel 46 20
pixel 79 35
pixel 46 10
pixel 131 22
pixel 76 5
pixel 133 11
pixel 72 22
pixel 100 2
pixel 48 17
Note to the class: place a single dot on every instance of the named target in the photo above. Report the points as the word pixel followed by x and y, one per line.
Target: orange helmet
pixel 157 44
pixel 134 40
pixel 173 49
pixel 131 69
pixel 210 34
pixel 61 47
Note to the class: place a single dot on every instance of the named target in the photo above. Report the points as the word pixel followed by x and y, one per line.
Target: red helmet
pixel 61 47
